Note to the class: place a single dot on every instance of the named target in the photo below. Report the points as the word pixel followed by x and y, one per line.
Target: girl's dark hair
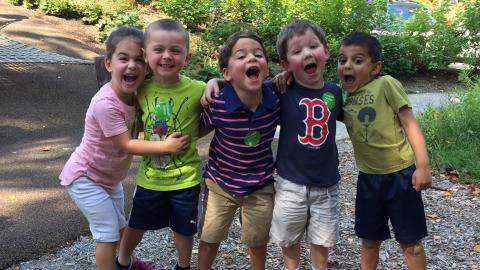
pixel 226 49
pixel 367 41
pixel 120 34
pixel 167 25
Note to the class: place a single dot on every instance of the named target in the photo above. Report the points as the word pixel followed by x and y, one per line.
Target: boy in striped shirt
pixel 239 172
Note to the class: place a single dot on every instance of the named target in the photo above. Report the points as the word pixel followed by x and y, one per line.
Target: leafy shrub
pixel 61 8
pixel 91 14
pixel 31 4
pixel 15 2
pixel 191 13
pixel 470 20
pixel 402 54
pixel 452 133
pixel 122 19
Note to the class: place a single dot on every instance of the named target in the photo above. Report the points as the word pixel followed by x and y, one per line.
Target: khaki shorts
pixel 219 210
pixel 299 209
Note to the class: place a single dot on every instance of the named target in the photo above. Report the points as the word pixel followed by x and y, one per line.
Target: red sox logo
pixel 311 122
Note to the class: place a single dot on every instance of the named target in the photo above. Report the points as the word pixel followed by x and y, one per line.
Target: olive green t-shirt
pixel 370 115
pixel 165 110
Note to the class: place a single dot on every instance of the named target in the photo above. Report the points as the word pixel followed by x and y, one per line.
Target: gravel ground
pixel 452 217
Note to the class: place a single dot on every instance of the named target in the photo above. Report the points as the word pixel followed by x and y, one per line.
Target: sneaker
pixel 138 264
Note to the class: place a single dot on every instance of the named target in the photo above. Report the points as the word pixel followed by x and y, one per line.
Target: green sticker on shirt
pixel 252 138
pixel 329 99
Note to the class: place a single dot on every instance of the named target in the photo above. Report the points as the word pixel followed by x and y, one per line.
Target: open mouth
pixel 348 79
pixel 310 68
pixel 130 78
pixel 253 72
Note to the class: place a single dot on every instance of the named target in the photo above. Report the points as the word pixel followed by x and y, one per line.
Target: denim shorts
pixel 103 208
pixel 177 209
pixel 299 209
pixel 381 198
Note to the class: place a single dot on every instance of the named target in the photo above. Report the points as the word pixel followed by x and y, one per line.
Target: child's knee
pixel 413 249
pixel 371 244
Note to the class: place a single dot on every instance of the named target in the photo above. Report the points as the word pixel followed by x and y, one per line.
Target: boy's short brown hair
pixel 167 25
pixel 294 28
pixel 226 49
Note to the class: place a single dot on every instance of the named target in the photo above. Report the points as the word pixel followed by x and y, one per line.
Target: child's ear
pixel 284 64
pixel 144 52
pixel 108 63
pixel 327 53
pixel 187 59
pixel 226 75
pixel 376 68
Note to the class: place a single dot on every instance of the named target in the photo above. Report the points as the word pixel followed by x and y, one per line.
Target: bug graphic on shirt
pixel 162 121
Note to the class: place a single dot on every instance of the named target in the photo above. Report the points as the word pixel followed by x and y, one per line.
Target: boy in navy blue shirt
pixel 307 192
pixel 239 172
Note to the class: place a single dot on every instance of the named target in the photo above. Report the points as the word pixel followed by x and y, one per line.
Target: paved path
pixel 16 52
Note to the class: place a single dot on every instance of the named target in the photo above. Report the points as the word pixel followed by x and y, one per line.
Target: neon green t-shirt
pixel 165 110
pixel 370 115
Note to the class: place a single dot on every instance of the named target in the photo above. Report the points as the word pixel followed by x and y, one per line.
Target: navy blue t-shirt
pixel 307 152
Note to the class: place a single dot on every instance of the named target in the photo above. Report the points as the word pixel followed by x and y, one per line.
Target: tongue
pixel 310 69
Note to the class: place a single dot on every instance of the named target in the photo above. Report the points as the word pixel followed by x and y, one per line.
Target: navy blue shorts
pixel 389 196
pixel 177 209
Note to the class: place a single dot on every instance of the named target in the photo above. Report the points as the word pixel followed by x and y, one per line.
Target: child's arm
pixel 174 143
pixel 282 80
pixel 212 90
pixel 421 178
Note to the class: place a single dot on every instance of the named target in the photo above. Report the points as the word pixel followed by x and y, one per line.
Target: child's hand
pixel 212 90
pixel 421 179
pixel 176 143
pixel 282 80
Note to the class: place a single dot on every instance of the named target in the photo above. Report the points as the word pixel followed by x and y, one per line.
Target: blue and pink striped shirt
pixel 234 163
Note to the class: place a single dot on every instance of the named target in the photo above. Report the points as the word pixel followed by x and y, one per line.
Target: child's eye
pixel 313 46
pixel 358 61
pixel 259 55
pixel 341 61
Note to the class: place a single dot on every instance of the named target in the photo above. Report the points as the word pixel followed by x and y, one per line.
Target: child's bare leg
pixel 319 256
pixel 184 248
pixel 291 256
pixel 105 255
pixel 130 239
pixel 206 255
pixel 258 255
pixel 415 255
pixel 369 254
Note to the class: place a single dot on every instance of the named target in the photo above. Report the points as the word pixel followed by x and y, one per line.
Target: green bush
pixel 61 8
pixel 470 19
pixel 15 2
pixel 91 14
pixel 192 13
pixel 452 133
pixel 31 4
pixel 106 26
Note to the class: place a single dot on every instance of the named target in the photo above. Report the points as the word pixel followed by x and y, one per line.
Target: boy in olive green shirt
pixel 390 153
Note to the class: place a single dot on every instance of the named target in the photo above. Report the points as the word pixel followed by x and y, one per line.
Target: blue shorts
pixel 389 196
pixel 177 209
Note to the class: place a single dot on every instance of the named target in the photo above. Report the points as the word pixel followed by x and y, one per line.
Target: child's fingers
pixel 175 135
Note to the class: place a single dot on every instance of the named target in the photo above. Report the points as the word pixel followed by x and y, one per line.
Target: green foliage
pixel 245 11
pixel 192 13
pixel 62 8
pixel 402 54
pixel 452 133
pixel 92 13
pixel 470 19
pixel 31 4
pixel 121 19
pixel 15 2
pixel 201 67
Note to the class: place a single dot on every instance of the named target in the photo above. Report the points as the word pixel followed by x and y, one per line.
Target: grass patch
pixel 452 133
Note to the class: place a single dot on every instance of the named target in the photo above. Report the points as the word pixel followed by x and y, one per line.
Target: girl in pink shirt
pixel 94 171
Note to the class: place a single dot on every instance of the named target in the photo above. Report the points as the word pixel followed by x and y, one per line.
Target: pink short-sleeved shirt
pixel 96 157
